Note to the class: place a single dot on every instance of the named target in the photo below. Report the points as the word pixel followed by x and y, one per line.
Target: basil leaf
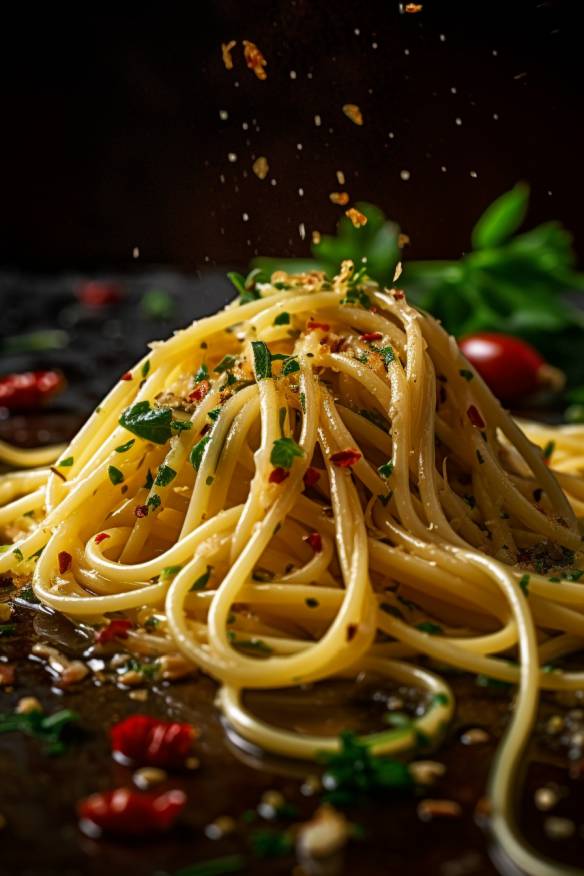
pixel 501 218
pixel 262 360
pixel 150 424
pixel 290 366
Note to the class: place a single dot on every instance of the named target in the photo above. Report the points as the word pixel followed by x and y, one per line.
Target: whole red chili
pixel 201 390
pixel 126 812
pixel 116 629
pixel 311 476
pixel 150 742
pixel 474 416
pixel 315 541
pixel 101 536
pixel 345 458
pixel 64 561
pixel 30 389
pixel 371 336
pixel 96 294
pixel 277 475
pixel 511 367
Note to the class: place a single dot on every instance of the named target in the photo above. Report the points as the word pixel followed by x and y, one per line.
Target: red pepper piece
pixel 30 389
pixel 126 812
pixel 101 536
pixel 277 475
pixel 96 294
pixel 127 375
pixel 148 741
pixel 200 391
pixel 315 541
pixel 311 476
pixel 64 562
pixel 371 336
pixel 475 417
pixel 345 458
pixel 312 324
pixel 116 629
pixel 398 294
pixel 141 510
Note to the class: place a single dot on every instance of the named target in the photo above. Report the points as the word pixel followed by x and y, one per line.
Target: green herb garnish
pixel 123 447
pixel 54 731
pixel 284 452
pixel 524 584
pixel 152 424
pixel 386 469
pixel 164 476
pixel 282 319
pixel 115 475
pixel 197 452
pixel 203 579
pixel 66 463
pixel 262 360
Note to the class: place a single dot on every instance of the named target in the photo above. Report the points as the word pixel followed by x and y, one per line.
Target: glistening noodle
pixel 308 485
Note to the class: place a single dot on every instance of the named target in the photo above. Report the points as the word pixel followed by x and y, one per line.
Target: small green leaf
pixel 524 584
pixel 202 373
pixel 169 572
pixel 284 451
pixel 164 476
pixel 197 452
pixel 18 554
pixel 282 319
pixel 290 366
pixel 464 372
pixel 262 360
pixel 386 469
pixel 154 501
pixel 66 463
pixel 214 414
pixel 429 627
pixel 115 475
pixel 226 364
pixel 501 218
pixel 387 354
pixel 203 579
pixel 150 424
pixel 123 447
pixel 146 368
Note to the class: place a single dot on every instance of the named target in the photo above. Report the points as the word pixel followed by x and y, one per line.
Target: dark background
pixel 111 134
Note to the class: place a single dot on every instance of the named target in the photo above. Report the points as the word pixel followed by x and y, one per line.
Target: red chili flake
pixel 116 629
pixel 311 476
pixel 352 631
pixel 474 416
pixel 311 325
pixel 141 510
pixel 373 309
pixel 315 541
pixel 398 294
pixel 345 458
pixel 29 389
pixel 101 536
pixel 96 294
pixel 150 742
pixel 126 812
pixel 7 674
pixel 254 59
pixel 127 375
pixel 64 562
pixel 371 336
pixel 277 475
pixel 201 390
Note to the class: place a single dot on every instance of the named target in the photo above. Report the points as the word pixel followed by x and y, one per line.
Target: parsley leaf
pixel 164 476
pixel 283 452
pixel 282 319
pixel 290 365
pixel 226 363
pixel 262 360
pixel 203 579
pixel 148 423
pixel 65 463
pixel 386 469
pixel 123 447
pixel 197 452
pixel 115 475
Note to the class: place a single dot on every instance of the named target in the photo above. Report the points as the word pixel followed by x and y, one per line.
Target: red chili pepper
pixel 277 475
pixel 511 367
pixel 141 510
pixel 311 476
pixel 116 629
pixel 398 294
pixel 64 562
pixel 127 375
pixel 312 324
pixel 30 389
pixel 101 536
pixel 345 458
pixel 201 390
pixel 315 541
pixel 96 294
pixel 148 741
pixel 371 336
pixel 475 417
pixel 126 812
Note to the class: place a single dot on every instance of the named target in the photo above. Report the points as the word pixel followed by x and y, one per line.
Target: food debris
pixel 426 772
pixel 27 705
pixel 316 237
pixel 546 798
pixel 173 666
pixel 475 736
pixel 67 671
pixel 352 111
pixel 559 828
pixel 324 835
pixel 357 218
pixel 340 198
pixel 410 8
pixel 405 175
pixel 340 177
pixel 226 49
pixel 254 59
pixel 430 809
pixel 260 167
pixel 222 825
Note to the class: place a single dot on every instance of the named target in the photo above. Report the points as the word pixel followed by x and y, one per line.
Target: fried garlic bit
pixel 254 59
pixel 411 8
pixel 357 217
pixel 352 111
pixel 316 237
pixel 226 49
pixel 260 167
pixel 340 198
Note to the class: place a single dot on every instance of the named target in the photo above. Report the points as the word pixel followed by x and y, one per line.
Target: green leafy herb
pixel 548 450
pixel 18 554
pixel 464 372
pixel 66 463
pixel 502 218
pixel 197 452
pixel 429 627
pixel 123 447
pixel 524 584
pixel 202 373
pixel 164 476
pixel 151 424
pixel 180 425
pixel 54 731
pixel 282 319
pixel 226 364
pixel 256 646
pixel 203 579
pixel 290 366
pixel 388 355
pixel 574 574
pixel 169 572
pixel 386 469
pixel 115 475
pixel 214 414
pixel 262 360
pixel 154 501
pixel 27 594
pixel 145 368
pixel 440 699
pixel 284 451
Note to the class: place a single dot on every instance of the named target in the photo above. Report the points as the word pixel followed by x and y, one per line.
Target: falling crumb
pixel 27 705
pixel 474 174
pixel 398 272
pixel 245 217
pixel 340 198
pixel 226 49
pixel 301 192
pixel 404 174
pixel 442 38
pixel 357 31
pixel 302 230
pixel 136 252
pixel 261 167
pixel 403 240
pixel 443 168
pixel 410 8
pixel 232 157
pixel 316 237
pixel 559 828
pixel 374 46
pixel 340 177
pixel 357 218
pixel 406 51
pixel 546 798
pixel 292 74
pixel 245 126
pixel 458 121
pixel 453 90
pixel 223 115
pixel 496 116
pixel 254 59
pixel 352 111
pixel 495 53
pixel 475 736
pixel 273 182
pixel 430 809
pixel 317 121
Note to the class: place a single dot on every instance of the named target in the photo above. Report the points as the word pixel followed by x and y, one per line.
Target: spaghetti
pixel 309 485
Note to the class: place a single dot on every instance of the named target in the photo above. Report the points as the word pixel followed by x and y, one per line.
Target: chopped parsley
pixel 18 554
pixel 152 424
pixel 524 584
pixel 145 368
pixel 282 319
pixel 386 469
pixel 164 476
pixel 154 501
pixel 202 373
pixel 356 296
pixel 387 355
pixel 440 699
pixel 262 360
pixel 429 627
pixel 226 364
pixel 197 452
pixel 203 579
pixel 548 450
pixel 214 414
pixel 464 372
pixel 284 451
pixel 290 365
pixel 123 447
pixel 169 572
pixel 115 475
pixel 66 463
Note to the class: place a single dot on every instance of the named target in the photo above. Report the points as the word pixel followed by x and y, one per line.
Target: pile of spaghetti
pixel 309 484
